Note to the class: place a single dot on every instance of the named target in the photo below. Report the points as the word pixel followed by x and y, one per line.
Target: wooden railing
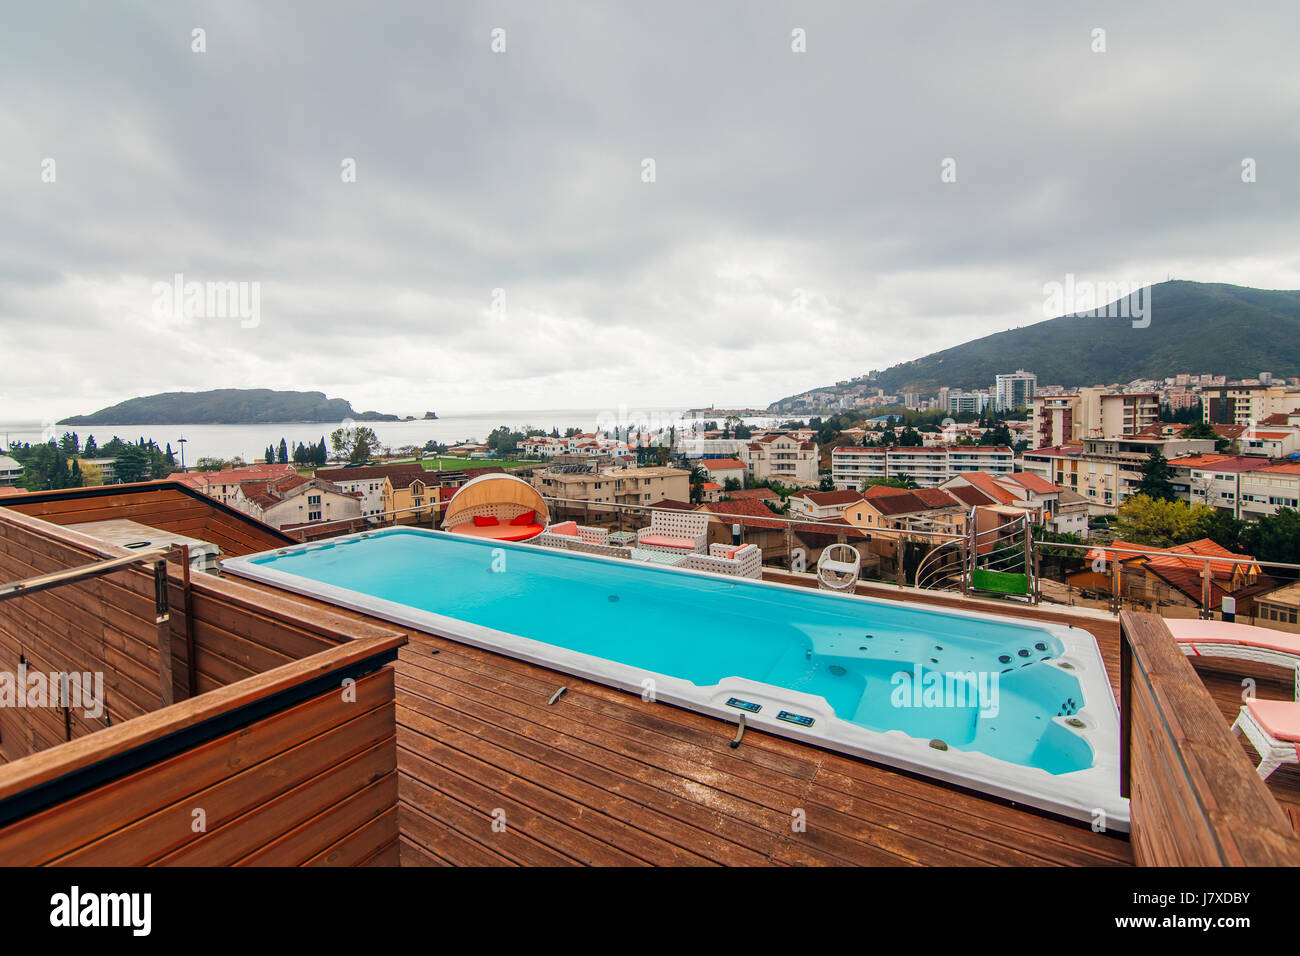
pixel 1195 799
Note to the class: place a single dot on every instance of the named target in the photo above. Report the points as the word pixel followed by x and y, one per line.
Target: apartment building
pixel 958 401
pixel 412 496
pixel 1092 413
pixel 1014 390
pixel 1239 484
pixel 11 472
pixel 294 500
pixel 1105 470
pixel 789 459
pixel 627 486
pixel 1242 404
pixel 1269 442
pixel 367 481
pixel 928 467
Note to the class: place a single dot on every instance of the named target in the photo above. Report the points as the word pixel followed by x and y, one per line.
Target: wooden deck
pixel 602 777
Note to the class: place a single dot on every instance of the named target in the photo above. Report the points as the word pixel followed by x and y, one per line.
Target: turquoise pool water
pixel 881 666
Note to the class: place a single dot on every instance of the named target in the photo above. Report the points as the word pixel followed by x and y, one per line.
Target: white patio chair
pixel 838 567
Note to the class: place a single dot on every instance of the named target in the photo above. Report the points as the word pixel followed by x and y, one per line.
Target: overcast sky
pixel 523 171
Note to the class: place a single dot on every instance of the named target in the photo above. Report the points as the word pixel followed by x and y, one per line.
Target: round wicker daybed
pixel 498 507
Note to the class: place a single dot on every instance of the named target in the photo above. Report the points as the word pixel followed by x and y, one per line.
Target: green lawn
pixel 455 464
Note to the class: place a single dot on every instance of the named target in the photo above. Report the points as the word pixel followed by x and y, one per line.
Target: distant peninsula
pixel 229 406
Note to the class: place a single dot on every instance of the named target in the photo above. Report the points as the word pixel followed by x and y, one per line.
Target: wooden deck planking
pixel 659 770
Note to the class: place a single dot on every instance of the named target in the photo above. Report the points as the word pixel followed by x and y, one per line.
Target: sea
pixel 249 441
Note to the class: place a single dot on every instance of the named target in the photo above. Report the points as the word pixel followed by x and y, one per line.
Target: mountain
pixel 228 406
pixel 1194 327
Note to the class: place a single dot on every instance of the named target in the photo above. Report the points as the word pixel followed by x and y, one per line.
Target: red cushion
pixel 565 527
pixel 526 518
pixel 485 521
pixel 501 532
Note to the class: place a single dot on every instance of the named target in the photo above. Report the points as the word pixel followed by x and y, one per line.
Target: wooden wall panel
pixel 316 782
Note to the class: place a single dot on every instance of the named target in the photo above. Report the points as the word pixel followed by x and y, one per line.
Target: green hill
pixel 1195 327
pixel 228 406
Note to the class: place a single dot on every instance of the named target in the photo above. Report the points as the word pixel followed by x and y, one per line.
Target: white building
pixel 783 458
pixel 1013 390
pixel 928 467
pixel 288 502
pixel 11 472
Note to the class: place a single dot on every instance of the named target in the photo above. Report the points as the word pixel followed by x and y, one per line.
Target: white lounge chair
pixel 744 560
pixel 676 532
pixel 1273 729
pixel 1243 642
pixel 838 568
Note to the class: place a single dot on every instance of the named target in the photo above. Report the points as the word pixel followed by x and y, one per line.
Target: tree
pixel 1204 430
pixel 283 456
pixel 90 450
pixel 1219 526
pixel 732 484
pixel 69 444
pixel 827 483
pixel 355 444
pixel 503 442
pixel 998 434
pixel 910 438
pixel 130 464
pixel 1157 479
pixel 698 477
pixel 1159 522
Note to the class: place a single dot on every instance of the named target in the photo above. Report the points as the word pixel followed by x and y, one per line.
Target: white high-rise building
pixel 1014 390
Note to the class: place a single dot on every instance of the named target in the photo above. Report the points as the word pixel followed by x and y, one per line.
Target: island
pixel 229 406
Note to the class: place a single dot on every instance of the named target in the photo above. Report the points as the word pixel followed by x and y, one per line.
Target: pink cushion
pixel 526 518
pixel 565 527
pixel 667 541
pixel 1279 718
pixel 1187 631
pixel 485 521
pixel 729 553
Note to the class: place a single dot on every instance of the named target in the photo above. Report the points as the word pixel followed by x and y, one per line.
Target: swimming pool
pixel 1020 710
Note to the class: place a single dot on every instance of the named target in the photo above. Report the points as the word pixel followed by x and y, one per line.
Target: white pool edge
pixel 1090 795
